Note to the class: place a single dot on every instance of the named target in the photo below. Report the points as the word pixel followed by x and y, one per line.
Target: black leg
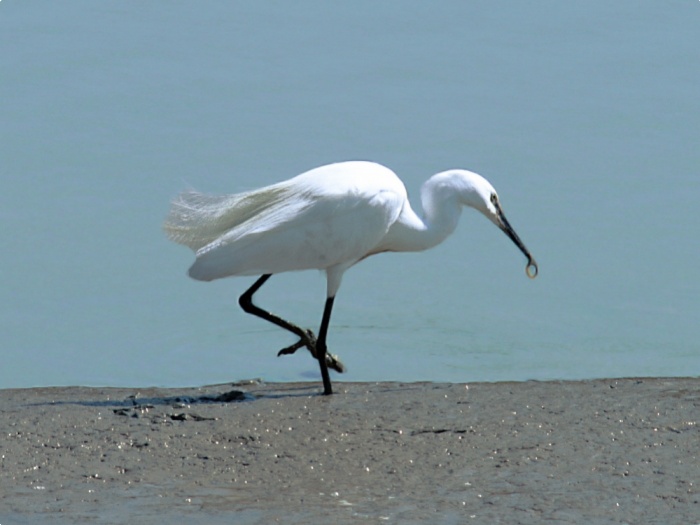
pixel 321 346
pixel 306 337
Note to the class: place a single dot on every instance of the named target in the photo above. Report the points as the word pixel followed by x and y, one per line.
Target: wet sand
pixel 603 451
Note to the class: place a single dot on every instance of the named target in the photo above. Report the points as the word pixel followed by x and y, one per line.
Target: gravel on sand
pixel 599 451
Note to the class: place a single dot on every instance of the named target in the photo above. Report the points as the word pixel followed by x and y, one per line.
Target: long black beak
pixel 531 269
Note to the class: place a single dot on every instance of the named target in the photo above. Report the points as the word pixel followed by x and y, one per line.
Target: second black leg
pixel 306 338
pixel 321 346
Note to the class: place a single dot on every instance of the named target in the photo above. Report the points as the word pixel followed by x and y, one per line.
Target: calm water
pixel 585 116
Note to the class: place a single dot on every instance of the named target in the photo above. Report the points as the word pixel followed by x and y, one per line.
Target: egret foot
pixel 309 341
pixel 334 362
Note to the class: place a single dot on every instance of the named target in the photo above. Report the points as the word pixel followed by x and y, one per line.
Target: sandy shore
pixel 604 451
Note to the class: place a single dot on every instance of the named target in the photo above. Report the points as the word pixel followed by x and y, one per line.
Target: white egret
pixel 328 218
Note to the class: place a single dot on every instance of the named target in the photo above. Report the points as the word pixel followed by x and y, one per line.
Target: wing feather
pixel 196 220
pixel 332 215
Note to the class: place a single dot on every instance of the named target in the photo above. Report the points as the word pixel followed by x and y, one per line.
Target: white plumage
pixel 325 218
pixel 328 218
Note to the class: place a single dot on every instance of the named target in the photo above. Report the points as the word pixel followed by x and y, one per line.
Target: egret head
pixel 477 192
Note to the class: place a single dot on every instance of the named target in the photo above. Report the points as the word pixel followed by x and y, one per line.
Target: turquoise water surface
pixel 584 116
